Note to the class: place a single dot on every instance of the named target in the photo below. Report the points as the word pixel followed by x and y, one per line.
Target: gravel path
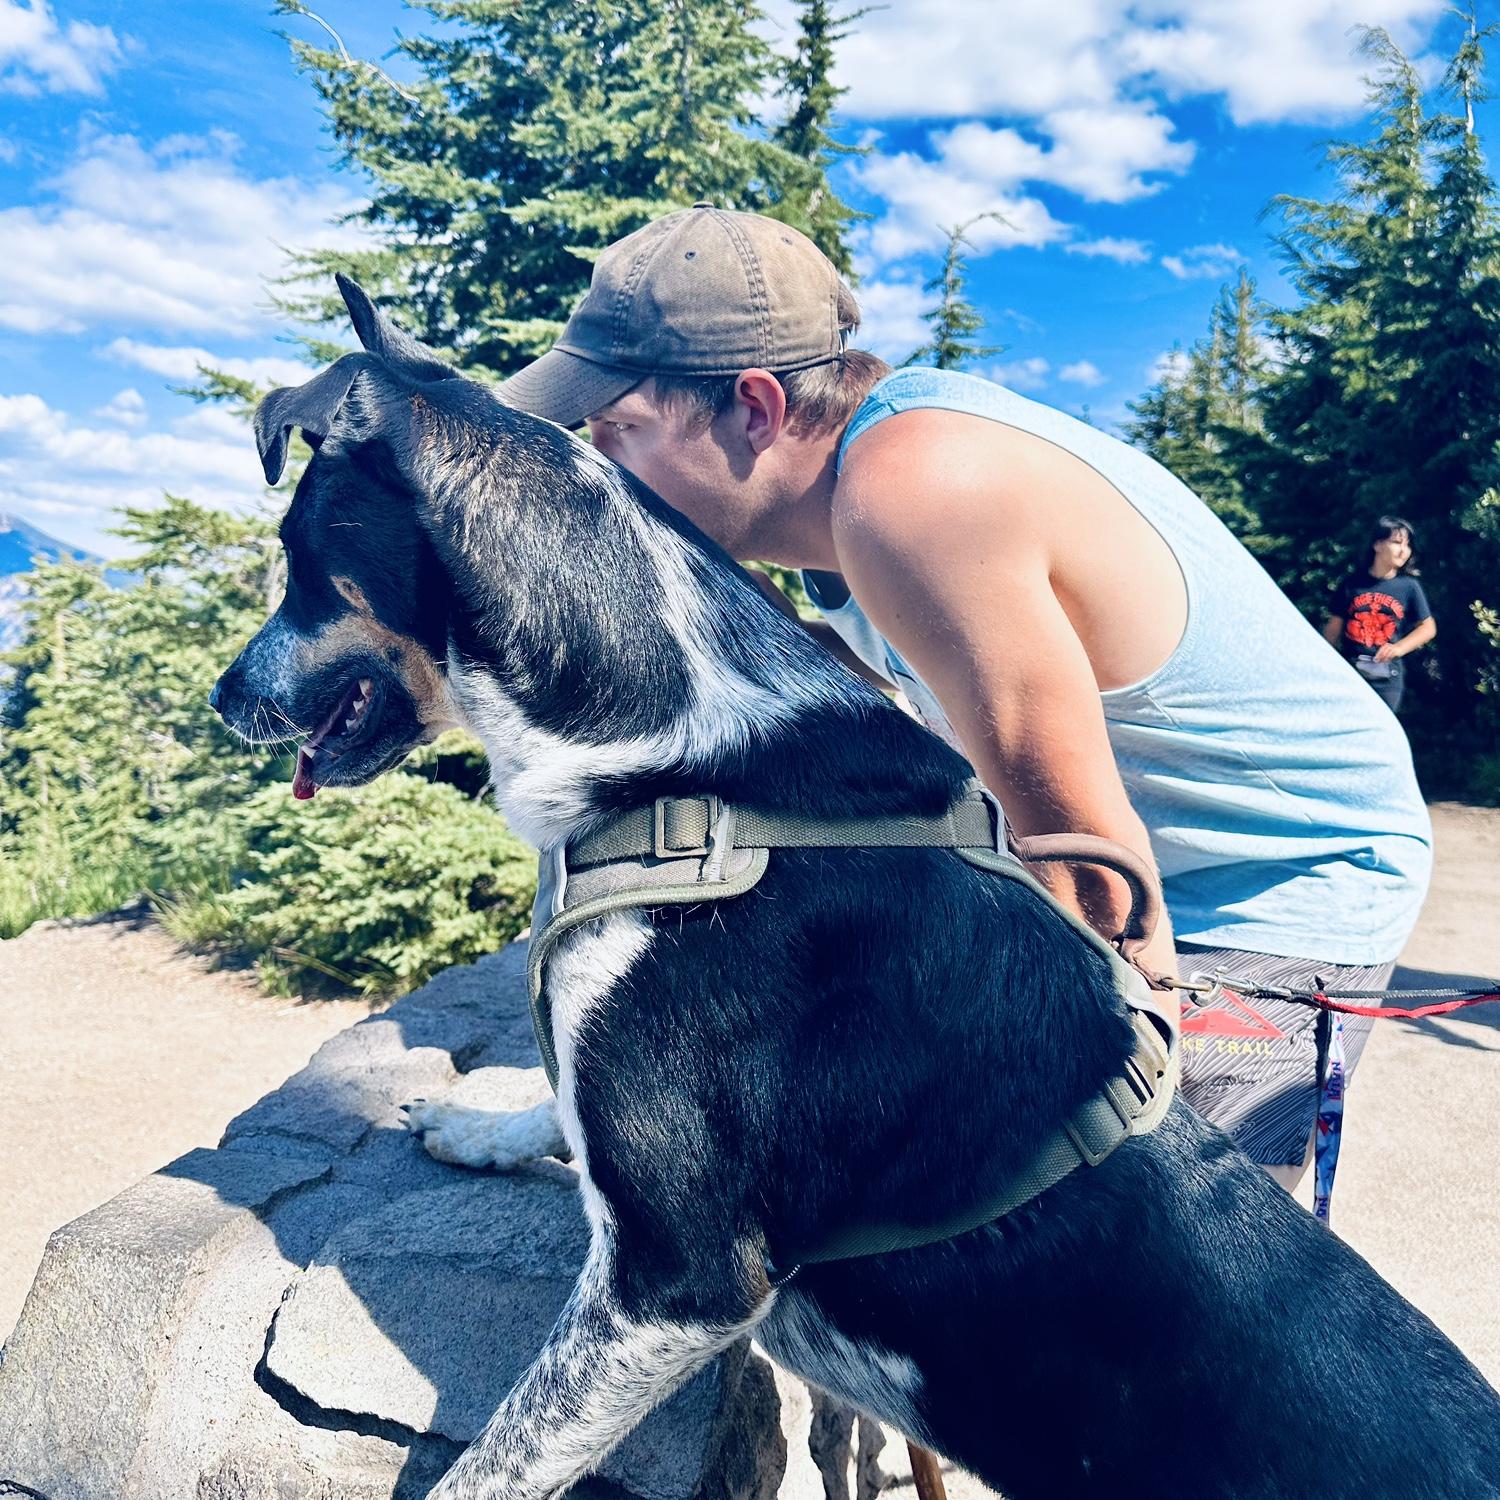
pixel 1418 1191
pixel 119 1052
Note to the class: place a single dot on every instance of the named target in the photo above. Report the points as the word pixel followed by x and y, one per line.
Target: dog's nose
pixel 216 697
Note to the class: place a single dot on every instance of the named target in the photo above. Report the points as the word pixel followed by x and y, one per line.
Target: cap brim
pixel 565 388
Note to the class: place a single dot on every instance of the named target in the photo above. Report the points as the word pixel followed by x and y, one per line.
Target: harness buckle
pixel 660 845
pixel 1098 1126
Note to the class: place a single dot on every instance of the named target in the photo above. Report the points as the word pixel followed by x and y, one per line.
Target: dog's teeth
pixel 366 687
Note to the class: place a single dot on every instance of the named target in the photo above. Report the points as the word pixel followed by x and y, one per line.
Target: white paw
pixel 468 1137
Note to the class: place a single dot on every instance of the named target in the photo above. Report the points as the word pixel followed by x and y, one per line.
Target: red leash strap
pixel 1372 1012
pixel 1396 1012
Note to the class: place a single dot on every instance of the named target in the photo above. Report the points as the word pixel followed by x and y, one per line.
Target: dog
pixel 761 1071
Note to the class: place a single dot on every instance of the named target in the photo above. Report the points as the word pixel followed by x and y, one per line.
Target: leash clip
pixel 1252 989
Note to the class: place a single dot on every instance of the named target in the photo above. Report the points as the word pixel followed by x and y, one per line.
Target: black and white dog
pixel 759 1070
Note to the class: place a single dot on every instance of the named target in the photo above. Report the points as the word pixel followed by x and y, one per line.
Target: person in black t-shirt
pixel 1381 614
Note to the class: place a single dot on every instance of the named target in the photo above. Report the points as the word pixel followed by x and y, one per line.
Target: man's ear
pixel 762 408
pixel 381 337
pixel 314 407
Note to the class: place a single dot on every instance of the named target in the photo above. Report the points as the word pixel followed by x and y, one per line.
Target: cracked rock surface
pixel 317 1310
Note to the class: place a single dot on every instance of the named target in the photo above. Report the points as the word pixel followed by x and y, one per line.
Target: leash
pixel 1331 1005
pixel 1339 1002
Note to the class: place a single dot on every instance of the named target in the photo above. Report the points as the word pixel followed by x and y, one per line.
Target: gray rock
pixel 318 1309
pixel 97 1353
pixel 426 1312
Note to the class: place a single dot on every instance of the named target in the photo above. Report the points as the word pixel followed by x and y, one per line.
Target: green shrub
pixel 52 875
pixel 116 778
pixel 377 887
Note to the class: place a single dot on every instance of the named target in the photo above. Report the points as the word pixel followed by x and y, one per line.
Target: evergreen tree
pixel 116 778
pixel 1202 418
pixel 1359 263
pixel 807 83
pixel 538 131
pixel 1389 399
pixel 113 742
pixel 954 320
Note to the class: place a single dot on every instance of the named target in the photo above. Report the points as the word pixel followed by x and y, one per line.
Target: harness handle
pixel 1087 849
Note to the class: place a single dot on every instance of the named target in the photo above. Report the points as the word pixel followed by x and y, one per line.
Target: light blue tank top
pixel 1277 788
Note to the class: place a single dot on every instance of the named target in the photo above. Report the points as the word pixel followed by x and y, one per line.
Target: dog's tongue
pixel 303 786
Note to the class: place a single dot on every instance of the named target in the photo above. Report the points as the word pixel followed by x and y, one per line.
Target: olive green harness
pixel 684 851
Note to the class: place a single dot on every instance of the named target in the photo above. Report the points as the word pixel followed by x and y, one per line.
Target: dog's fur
pixel 864 1029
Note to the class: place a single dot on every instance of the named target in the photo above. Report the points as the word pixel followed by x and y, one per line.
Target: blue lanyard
pixel 1330 1123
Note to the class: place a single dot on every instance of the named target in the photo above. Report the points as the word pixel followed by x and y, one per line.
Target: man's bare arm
pixel 957 572
pixel 1333 629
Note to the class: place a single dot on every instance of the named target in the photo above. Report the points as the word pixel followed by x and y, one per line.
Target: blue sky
pixel 155 157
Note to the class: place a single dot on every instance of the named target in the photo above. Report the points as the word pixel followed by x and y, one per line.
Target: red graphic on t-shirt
pixel 1374 619
pixel 1232 1015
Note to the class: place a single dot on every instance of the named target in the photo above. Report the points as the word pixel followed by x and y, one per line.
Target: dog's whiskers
pixel 264 728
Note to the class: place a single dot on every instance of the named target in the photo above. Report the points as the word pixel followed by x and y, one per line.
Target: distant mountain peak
pixel 22 543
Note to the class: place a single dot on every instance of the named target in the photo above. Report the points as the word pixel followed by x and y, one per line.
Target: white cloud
pixel 1104 155
pixel 38 56
pixel 924 198
pixel 1127 252
pixel 1202 262
pixel 891 317
pixel 127 407
pixel 1099 153
pixel 1172 365
pixel 171 239
pixel 74 473
pixel 1082 372
pixel 1020 375
pixel 181 364
pixel 1270 60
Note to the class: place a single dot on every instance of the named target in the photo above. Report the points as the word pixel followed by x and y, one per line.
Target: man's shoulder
pixel 924 462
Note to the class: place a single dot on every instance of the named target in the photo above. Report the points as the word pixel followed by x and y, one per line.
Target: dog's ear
pixel 381 337
pixel 313 407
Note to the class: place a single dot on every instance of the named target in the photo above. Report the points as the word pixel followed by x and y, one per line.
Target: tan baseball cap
pixel 704 291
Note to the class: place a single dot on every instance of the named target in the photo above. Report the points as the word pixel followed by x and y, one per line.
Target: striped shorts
pixel 1254 1067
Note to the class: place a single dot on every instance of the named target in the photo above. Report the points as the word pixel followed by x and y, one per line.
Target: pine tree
pixel 1202 418
pixel 809 203
pixel 954 320
pixel 536 132
pixel 1359 263
pixel 1389 401
pixel 1453 405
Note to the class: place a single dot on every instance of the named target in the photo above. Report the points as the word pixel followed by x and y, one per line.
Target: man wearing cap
pixel 1051 601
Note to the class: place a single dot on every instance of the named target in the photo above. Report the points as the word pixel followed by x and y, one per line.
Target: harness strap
pixel 678 827
pixel 682 827
pixel 693 850
pixel 1132 1104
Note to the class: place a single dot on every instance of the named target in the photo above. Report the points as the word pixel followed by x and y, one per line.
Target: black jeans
pixel 1392 688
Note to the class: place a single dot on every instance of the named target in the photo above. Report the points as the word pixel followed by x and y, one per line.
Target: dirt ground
pixel 118 1052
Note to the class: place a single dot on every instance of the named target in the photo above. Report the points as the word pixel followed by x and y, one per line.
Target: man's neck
pixel 799 533
pixel 1384 575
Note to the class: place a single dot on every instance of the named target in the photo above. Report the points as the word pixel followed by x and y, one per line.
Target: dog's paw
pixel 467 1137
